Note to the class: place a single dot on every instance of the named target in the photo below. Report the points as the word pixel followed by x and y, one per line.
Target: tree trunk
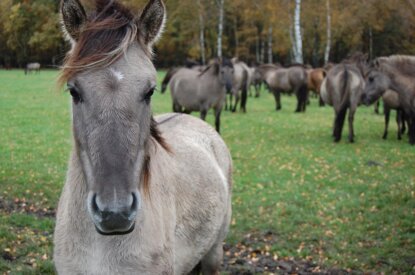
pixel 370 43
pixel 257 48
pixel 316 46
pixel 202 33
pixel 294 48
pixel 270 61
pixel 220 26
pixel 236 36
pixel 297 33
pixel 328 45
pixel 262 57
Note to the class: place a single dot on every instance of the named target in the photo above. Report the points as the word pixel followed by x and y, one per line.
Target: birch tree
pixel 220 4
pixel 202 33
pixel 328 43
pixel 298 52
pixel 270 61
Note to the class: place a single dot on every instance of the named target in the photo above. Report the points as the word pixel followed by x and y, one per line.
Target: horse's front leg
pixel 351 118
pixel 218 111
pixel 236 102
pixel 386 111
pixel 203 113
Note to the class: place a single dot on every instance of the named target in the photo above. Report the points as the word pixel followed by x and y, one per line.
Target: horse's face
pixel 376 84
pixel 226 76
pixel 111 124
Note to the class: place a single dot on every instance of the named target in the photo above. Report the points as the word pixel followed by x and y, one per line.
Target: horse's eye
pixel 76 96
pixel 370 78
pixel 148 95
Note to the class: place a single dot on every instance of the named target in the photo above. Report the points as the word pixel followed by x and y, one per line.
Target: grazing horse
pixel 288 80
pixel 194 91
pixel 343 89
pixel 240 85
pixel 314 79
pixel 32 67
pixel 396 73
pixel 142 195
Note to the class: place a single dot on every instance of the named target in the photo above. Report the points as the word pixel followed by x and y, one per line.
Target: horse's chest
pixel 101 259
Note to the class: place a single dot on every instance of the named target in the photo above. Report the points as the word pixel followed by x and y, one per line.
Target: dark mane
pixel 105 37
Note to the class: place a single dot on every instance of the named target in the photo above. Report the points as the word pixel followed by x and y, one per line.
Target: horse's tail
pixel 244 94
pixel 167 78
pixel 345 91
pixel 344 104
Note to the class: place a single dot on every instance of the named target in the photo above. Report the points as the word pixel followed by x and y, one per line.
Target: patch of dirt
pixel 244 259
pixel 24 206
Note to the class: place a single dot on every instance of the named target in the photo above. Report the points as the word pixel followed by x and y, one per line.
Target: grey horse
pixel 142 195
pixel 194 91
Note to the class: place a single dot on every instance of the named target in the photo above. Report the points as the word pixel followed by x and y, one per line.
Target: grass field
pixel 343 205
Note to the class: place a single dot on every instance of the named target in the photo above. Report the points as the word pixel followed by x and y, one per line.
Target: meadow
pixel 349 206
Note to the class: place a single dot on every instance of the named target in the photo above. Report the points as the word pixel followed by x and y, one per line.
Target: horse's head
pixel 110 76
pixel 226 71
pixel 376 83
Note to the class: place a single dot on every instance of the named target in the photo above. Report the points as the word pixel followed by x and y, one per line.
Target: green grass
pixel 323 201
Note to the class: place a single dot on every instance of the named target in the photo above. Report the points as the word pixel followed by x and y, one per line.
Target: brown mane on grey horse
pixel 103 223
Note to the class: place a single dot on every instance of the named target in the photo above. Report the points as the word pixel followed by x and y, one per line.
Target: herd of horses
pixel 152 195
pixel 343 86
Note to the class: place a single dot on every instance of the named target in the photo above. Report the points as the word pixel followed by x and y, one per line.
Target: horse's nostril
pixel 134 203
pixel 94 203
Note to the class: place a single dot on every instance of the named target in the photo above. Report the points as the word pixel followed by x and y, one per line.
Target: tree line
pixel 257 31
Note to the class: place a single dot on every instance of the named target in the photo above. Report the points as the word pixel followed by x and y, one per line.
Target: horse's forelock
pixel 110 30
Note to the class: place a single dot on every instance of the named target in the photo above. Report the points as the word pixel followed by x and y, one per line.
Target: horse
pixel 255 80
pixel 343 89
pixel 395 72
pixel 35 67
pixel 391 102
pixel 240 85
pixel 142 195
pixel 189 64
pixel 194 91
pixel 289 80
pixel 314 79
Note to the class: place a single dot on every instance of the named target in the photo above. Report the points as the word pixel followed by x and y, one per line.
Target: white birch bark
pixel 202 33
pixel 297 33
pixel 270 61
pixel 221 4
pixel 328 45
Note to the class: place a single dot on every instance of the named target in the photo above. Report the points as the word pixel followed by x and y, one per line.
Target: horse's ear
pixel 73 18
pixel 151 21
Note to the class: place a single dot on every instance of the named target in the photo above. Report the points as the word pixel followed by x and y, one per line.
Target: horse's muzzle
pixel 114 220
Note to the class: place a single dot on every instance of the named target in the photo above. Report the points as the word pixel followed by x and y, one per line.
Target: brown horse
pixel 314 79
pixel 194 91
pixel 142 195
pixel 343 89
pixel 396 73
pixel 288 80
